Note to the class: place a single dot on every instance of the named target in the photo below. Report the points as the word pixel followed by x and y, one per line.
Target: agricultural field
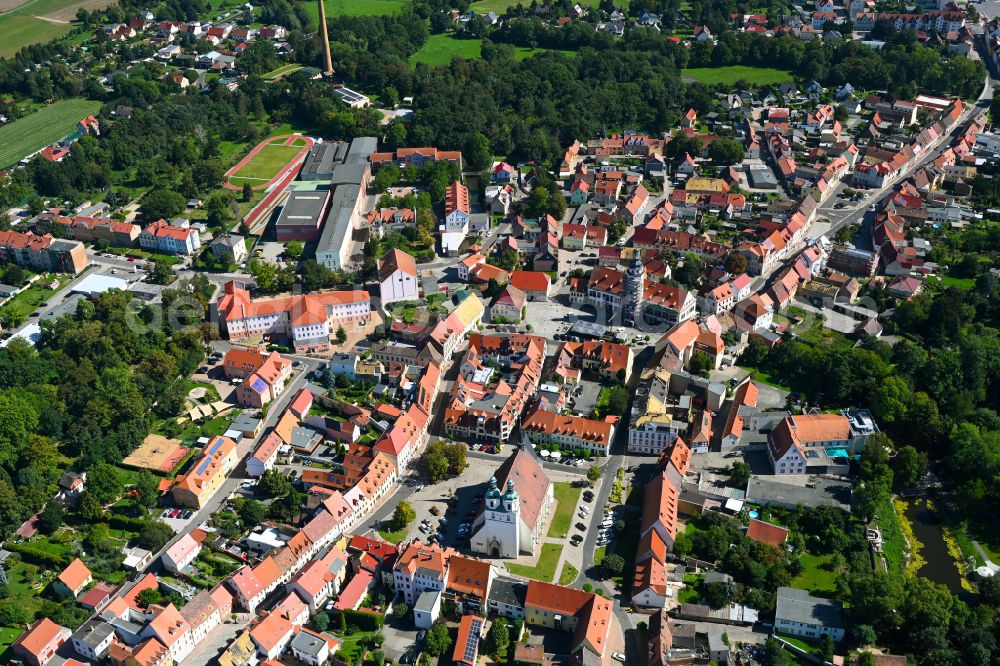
pixel 38 21
pixel 266 163
pixel 729 75
pixel 47 125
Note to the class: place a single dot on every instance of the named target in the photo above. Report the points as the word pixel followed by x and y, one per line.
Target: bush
pixel 362 621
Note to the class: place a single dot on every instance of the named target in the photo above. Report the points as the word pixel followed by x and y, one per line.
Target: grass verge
pixel 545 569
pixel 567 498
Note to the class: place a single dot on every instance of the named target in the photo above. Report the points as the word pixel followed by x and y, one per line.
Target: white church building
pixel 518 501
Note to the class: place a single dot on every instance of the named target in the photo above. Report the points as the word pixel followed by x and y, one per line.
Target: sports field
pixel 47 125
pixel 38 21
pixel 265 164
pixel 729 75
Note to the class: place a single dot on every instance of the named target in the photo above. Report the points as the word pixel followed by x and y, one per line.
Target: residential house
pixel 38 644
pixel 73 579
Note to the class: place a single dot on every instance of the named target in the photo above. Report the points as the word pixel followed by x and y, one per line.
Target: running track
pixel 292 165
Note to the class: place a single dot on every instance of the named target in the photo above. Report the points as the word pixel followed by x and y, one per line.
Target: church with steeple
pixel 517 503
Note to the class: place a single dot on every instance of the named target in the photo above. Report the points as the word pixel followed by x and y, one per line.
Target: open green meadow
pixel 284 70
pixel 268 161
pixel 47 125
pixel 761 76
pixel 440 49
pixel 356 7
pixel 500 6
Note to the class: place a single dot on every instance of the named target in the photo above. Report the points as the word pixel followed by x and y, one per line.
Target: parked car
pixel 618 656
pixel 581 526
pixel 435 511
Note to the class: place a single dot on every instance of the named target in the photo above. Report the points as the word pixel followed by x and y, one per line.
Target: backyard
pixel 566 496
pixel 43 127
pixel 817 576
pixel 545 569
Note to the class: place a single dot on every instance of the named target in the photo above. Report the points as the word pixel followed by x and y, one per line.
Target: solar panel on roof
pixel 472 645
pixel 259 386
pixel 203 466
pixel 215 447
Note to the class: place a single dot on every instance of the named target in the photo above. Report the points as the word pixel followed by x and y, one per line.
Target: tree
pixel 775 655
pixel 275 484
pixel 755 353
pixel 498 639
pixel 247 194
pixel 265 274
pixel 400 611
pixel 437 641
pixel 149 596
pixel 154 536
pixel 435 465
pixel 613 564
pixel 162 204
pixel 681 144
pixel 617 401
pixel 739 474
pixel 908 466
pixel 252 513
pixel 477 153
pixel 321 621
pixel 147 488
pixel 826 647
pixel 219 209
pixel 717 595
pixel 594 473
pixel 294 249
pixel 103 483
pixel 725 151
pixel 403 515
pixel 160 273
pixel 701 364
pixel 341 335
pixel 51 518
pixel 736 263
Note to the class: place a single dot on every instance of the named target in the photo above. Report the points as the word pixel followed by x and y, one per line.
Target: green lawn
pixel 393 536
pixel 761 76
pixel 362 7
pixel 284 70
pixel 268 161
pixel 26 302
pixel 816 576
pixel 351 648
pixel 545 570
pixel 7 637
pixel 566 497
pixel 568 575
pixel 47 125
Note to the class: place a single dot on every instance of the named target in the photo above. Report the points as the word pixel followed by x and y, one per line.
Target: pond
pixel 939 566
